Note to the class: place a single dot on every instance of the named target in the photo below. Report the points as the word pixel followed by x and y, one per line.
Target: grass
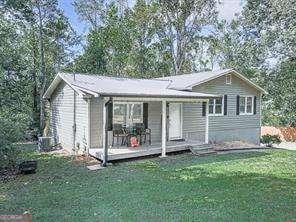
pixel 257 186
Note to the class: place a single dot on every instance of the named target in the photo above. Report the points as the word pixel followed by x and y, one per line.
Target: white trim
pixel 163 129
pixel 181 122
pixel 86 90
pixel 148 99
pixel 207 123
pixel 214 108
pixel 245 113
pixel 127 110
pixel 58 78
pixel 103 127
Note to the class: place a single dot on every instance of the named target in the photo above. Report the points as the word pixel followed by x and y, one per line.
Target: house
pixel 190 109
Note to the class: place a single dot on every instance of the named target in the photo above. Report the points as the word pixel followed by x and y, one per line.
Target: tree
pixel 48 36
pixel 181 24
pixel 261 44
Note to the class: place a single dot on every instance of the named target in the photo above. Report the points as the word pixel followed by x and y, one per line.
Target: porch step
pixel 202 150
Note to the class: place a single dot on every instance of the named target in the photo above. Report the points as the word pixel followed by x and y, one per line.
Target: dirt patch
pixel 233 145
pixel 83 159
pixel 287 134
pixel 59 152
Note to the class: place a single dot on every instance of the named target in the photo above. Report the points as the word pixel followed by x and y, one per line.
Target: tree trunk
pixel 42 69
pixel 35 82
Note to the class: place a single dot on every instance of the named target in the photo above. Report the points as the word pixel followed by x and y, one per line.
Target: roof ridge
pixel 114 77
pixel 194 73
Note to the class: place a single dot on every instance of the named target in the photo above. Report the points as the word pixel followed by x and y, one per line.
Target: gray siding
pixel 81 123
pixel 96 128
pixel 62 117
pixel 193 122
pixel 231 126
pixel 154 120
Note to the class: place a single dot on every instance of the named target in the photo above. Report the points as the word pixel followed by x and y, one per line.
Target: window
pixel 228 79
pixel 216 106
pixel 246 104
pixel 127 113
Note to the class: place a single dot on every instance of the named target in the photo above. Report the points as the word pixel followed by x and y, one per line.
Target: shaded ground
pixel 257 186
pixel 286 145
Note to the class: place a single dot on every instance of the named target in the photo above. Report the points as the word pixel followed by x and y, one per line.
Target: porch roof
pixel 122 87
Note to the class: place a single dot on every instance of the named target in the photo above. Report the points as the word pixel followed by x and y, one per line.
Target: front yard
pixel 257 186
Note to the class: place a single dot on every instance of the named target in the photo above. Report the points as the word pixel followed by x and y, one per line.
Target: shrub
pixel 269 140
pixel 11 132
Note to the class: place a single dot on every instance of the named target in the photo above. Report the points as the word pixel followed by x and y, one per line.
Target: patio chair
pixel 119 133
pixel 142 131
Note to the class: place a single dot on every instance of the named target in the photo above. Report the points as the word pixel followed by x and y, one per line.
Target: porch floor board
pixel 124 152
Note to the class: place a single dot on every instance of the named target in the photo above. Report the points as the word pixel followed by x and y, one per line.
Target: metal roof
pixel 117 86
pixel 187 81
pixel 179 86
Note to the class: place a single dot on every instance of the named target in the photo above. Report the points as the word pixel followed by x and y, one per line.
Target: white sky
pixel 228 8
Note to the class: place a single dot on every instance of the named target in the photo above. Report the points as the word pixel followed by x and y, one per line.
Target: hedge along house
pixel 179 111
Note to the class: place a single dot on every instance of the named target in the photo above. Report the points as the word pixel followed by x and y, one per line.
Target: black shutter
pixel 255 105
pixel 145 115
pixel 225 105
pixel 237 105
pixel 204 108
pixel 110 116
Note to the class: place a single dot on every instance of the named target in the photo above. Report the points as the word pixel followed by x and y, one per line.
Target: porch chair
pixel 142 131
pixel 119 133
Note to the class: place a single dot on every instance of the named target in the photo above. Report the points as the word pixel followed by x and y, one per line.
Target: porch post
pixel 105 138
pixel 105 132
pixel 163 131
pixel 207 123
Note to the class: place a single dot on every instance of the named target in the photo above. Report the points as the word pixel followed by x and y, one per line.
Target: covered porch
pixel 175 123
pixel 124 152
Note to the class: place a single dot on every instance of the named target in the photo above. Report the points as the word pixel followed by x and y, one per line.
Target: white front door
pixel 175 121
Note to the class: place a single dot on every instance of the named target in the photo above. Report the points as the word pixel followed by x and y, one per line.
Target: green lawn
pixel 258 186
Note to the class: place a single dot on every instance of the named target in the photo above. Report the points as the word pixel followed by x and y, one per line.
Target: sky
pixel 227 10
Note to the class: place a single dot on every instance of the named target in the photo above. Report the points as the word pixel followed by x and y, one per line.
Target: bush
pixel 8 156
pixel 269 140
pixel 11 132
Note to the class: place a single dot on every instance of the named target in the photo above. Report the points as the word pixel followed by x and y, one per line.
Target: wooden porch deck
pixel 124 152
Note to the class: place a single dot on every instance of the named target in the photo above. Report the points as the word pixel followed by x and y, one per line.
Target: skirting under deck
pixel 123 152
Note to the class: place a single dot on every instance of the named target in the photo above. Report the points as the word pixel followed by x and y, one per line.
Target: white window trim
pixel 214 108
pixel 230 79
pixel 245 112
pixel 126 103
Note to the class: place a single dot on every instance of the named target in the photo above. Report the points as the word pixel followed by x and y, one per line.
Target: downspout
pixel 105 148
pixel 74 118
pixel 88 125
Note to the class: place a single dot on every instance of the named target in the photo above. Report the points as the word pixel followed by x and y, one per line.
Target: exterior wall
pixel 96 121
pixel 232 127
pixel 81 123
pixel 193 122
pixel 154 120
pixel 62 117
